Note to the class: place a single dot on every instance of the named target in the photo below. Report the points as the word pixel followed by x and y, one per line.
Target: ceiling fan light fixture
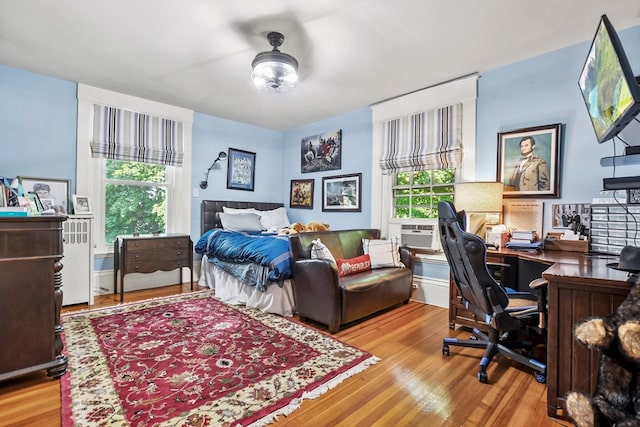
pixel 274 71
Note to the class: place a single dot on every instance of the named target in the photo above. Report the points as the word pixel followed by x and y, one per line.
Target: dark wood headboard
pixel 210 209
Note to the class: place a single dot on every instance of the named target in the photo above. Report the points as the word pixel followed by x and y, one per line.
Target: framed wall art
pixel 53 193
pixel 528 161
pixel 342 193
pixel 321 152
pixel 301 195
pixel 241 170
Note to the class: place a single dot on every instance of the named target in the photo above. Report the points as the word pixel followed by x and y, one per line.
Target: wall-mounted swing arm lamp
pixel 221 156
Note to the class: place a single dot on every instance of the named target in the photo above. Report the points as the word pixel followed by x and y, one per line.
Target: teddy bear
pixel 616 401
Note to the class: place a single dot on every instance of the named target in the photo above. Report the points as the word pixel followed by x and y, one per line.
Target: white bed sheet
pixel 277 300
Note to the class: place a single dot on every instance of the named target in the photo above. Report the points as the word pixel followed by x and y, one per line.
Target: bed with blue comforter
pixel 255 259
pixel 252 269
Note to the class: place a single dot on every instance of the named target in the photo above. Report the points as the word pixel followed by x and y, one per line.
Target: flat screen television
pixel 609 88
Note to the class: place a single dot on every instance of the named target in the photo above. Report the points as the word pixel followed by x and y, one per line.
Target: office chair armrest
pixel 536 283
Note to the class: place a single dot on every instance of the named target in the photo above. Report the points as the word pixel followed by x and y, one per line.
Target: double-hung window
pixel 416 194
pixel 134 161
pixel 423 142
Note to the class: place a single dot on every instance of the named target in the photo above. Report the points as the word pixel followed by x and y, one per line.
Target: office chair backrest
pixel 467 257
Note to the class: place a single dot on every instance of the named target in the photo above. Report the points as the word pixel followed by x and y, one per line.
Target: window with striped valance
pixel 427 140
pixel 126 135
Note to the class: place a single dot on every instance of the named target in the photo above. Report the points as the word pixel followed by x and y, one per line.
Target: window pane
pixel 135 171
pixel 416 194
pixel 442 176
pixel 134 209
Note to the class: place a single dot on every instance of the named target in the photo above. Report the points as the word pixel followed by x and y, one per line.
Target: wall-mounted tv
pixel 608 85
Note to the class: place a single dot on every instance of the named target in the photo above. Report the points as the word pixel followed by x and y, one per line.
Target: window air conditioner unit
pixel 416 233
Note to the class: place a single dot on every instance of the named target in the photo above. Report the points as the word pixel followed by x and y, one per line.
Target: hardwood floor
pixel 412 385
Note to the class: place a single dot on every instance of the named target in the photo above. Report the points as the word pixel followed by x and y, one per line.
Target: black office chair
pixel 506 314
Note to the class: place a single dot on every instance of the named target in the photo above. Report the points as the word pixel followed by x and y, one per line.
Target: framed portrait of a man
pixel 528 161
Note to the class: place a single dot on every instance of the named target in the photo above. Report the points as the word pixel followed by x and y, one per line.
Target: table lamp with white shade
pixel 482 202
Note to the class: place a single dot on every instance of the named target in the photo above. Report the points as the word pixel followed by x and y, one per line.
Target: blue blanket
pixel 268 251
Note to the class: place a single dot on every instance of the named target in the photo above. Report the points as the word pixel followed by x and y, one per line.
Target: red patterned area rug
pixel 191 360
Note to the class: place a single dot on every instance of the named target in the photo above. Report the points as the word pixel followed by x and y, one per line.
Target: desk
pixel 576 291
pixel 148 253
pixel 579 286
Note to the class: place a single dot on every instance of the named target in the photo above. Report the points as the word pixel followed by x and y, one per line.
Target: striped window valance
pixel 428 140
pixel 127 135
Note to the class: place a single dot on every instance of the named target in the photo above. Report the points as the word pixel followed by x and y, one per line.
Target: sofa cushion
pixel 383 253
pixel 320 251
pixel 355 265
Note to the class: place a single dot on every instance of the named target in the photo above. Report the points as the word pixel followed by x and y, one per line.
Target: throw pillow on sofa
pixel 320 251
pixel 353 265
pixel 383 253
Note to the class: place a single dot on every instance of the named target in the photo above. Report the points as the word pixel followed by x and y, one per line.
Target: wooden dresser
pixel 149 253
pixel 31 296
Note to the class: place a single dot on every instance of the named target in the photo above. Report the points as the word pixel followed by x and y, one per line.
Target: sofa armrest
pixel 317 291
pixel 407 257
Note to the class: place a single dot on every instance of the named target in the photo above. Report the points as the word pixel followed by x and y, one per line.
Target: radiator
pixel 77 273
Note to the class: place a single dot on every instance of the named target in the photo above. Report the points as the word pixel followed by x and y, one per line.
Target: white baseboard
pixel 136 281
pixel 431 291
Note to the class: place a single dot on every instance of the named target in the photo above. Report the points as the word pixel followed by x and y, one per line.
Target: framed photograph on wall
pixel 241 170
pixel 55 191
pixel 575 216
pixel 301 195
pixel 528 161
pixel 321 152
pixel 342 193
pixel 81 205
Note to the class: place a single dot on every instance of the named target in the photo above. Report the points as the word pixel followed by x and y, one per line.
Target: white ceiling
pixel 352 53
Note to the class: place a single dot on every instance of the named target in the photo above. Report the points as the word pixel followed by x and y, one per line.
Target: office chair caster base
pixel 540 377
pixel 445 350
pixel 483 377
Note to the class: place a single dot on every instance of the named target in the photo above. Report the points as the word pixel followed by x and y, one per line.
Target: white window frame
pixel 90 171
pixel 463 90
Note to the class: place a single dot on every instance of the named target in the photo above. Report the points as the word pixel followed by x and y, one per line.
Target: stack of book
pixel 13 211
pixel 523 236
pixel 524 239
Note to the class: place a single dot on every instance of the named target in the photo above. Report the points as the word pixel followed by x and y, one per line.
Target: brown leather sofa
pixel 325 297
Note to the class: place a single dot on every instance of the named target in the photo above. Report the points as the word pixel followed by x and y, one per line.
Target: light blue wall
pixel 544 90
pixel 37 126
pixel 212 135
pixel 356 158
pixel 38 135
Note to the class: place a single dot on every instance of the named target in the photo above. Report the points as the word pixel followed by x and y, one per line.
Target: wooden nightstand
pixel 149 253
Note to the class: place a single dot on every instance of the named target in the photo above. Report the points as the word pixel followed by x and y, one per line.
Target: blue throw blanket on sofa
pixel 225 247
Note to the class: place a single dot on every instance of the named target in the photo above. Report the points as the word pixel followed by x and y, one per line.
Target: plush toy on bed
pixel 616 401
pixel 296 227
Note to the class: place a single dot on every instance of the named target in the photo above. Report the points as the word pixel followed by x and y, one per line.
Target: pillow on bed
pixel 274 219
pixel 240 222
pixel 229 210
pixel 320 251
pixel 383 253
pixel 353 265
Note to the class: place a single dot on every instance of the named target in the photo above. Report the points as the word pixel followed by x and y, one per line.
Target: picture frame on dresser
pixel 81 204
pixel 53 189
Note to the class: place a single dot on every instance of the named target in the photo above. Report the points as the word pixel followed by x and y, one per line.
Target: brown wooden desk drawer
pixel 154 255
pixel 150 267
pixel 157 243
